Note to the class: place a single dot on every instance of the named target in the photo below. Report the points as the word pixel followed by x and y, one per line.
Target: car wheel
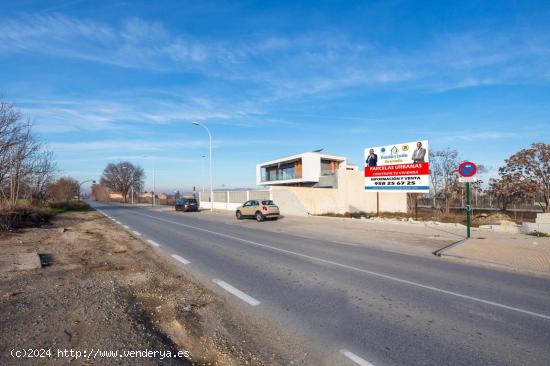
pixel 259 216
pixel 239 215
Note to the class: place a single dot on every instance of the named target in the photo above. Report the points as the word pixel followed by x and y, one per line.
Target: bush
pixel 23 217
pixel 59 207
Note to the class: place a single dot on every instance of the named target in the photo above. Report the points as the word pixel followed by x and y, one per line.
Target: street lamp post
pixel 154 178
pixel 210 163
pixel 80 185
pixel 202 173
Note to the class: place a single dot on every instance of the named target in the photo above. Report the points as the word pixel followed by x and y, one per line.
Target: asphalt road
pixel 357 305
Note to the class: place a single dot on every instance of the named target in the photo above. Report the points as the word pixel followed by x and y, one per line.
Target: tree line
pixel 524 176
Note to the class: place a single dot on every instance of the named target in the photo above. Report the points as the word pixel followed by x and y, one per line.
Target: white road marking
pixel 126 227
pixel 376 274
pixel 235 291
pixel 136 233
pixel 181 259
pixel 153 243
pixel 352 356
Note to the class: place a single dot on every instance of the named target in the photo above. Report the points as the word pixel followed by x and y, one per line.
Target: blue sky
pixel 119 80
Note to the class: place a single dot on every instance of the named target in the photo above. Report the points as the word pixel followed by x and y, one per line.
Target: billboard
pixel 401 167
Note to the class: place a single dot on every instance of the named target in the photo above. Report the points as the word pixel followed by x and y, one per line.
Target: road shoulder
pixel 517 253
pixel 102 288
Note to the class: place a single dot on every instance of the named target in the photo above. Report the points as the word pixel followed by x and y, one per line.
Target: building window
pixel 329 167
pixel 282 171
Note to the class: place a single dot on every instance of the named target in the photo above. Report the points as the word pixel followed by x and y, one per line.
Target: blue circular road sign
pixel 467 169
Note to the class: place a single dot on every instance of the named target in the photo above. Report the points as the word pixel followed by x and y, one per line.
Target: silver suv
pixel 258 209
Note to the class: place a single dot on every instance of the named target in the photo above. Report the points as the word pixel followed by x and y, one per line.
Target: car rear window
pixel 187 200
pixel 268 203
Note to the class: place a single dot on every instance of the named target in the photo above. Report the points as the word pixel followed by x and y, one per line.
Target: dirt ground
pixel 100 289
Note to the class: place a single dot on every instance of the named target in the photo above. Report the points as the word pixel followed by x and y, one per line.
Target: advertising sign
pixel 401 168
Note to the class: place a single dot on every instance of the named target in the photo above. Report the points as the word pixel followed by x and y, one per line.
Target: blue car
pixel 187 204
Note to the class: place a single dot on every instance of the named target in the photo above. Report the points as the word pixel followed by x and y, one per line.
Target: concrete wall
pixel 350 196
pixel 230 200
pixel 541 224
pixel 305 201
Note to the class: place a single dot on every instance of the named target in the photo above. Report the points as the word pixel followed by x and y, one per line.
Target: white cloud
pixel 272 67
pixel 131 109
pixel 139 147
pixel 133 44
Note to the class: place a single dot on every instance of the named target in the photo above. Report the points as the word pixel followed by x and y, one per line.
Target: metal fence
pixel 481 201
pixel 229 200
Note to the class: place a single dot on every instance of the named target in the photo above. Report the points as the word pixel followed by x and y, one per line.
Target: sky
pixel 109 81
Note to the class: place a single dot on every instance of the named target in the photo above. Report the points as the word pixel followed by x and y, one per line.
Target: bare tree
pixel 510 188
pixel 9 131
pixel 100 192
pixel 122 177
pixel 528 170
pixel 25 166
pixel 63 190
pixel 43 171
pixel 443 172
pixel 436 175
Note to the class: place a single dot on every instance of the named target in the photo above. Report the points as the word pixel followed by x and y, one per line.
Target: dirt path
pixel 103 290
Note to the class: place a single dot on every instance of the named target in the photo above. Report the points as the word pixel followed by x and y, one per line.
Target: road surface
pixel 357 305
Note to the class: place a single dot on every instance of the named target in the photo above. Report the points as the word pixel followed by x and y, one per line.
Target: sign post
pixel 468 210
pixel 467 171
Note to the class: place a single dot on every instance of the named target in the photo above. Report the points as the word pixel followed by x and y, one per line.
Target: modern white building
pixel 309 169
pixel 312 183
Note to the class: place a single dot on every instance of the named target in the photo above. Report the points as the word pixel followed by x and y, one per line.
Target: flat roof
pixel 298 156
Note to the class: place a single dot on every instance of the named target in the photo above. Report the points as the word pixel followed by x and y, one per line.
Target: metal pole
pixel 154 180
pixel 132 192
pixel 377 203
pixel 210 163
pixel 468 218
pixel 211 188
pixel 202 173
pixel 416 206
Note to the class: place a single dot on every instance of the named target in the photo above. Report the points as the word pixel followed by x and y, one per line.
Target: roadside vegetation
pixel 30 191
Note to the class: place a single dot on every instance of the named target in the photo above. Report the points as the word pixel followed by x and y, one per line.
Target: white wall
pixel 350 196
pixel 225 204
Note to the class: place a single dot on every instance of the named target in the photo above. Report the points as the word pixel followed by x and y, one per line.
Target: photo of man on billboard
pixel 419 154
pixel 372 159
